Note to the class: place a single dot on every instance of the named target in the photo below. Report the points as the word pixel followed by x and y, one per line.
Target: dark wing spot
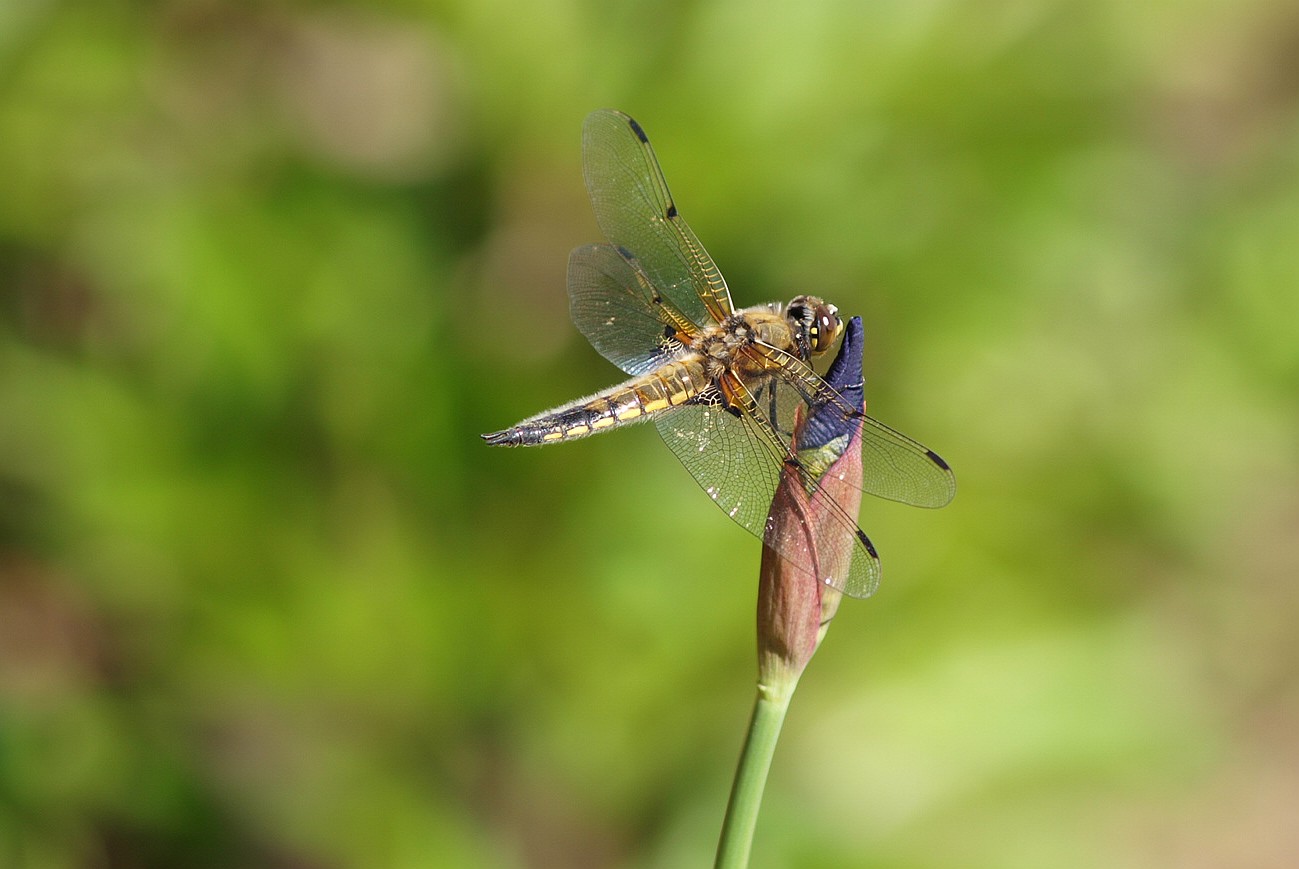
pixel 635 128
pixel 672 210
pixel 710 397
pixel 669 333
pixel 866 541
pixel 937 460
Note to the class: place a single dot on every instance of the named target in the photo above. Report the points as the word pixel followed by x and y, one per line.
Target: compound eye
pixel 824 329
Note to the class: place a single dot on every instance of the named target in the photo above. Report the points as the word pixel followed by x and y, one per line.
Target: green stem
pixel 751 777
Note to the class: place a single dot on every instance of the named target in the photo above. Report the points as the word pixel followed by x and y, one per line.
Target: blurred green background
pixel 267 269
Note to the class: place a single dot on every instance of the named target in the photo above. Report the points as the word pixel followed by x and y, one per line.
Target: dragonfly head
pixel 815 322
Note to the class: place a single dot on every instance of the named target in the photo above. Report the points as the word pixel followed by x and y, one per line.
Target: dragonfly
pixel 728 389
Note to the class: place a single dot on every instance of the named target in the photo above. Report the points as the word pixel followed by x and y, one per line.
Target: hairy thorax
pixel 719 347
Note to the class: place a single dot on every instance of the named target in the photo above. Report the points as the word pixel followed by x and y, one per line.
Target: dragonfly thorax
pixel 806 327
pixel 759 324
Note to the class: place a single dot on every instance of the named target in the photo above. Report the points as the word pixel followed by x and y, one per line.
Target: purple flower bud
pixel 794 606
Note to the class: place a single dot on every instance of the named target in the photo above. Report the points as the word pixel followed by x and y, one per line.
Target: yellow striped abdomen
pixel 672 385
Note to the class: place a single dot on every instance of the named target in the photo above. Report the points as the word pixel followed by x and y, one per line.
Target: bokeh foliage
pixel 268 268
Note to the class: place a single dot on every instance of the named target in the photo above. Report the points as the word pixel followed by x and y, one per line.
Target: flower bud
pixel 794 606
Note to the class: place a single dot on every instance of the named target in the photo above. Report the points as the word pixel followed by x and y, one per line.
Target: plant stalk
pixel 751 776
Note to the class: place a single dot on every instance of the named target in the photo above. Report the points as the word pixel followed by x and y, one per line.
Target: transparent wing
pixel 728 457
pixel 738 461
pixel 893 465
pixel 624 318
pixel 776 411
pixel 637 215
pixel 900 469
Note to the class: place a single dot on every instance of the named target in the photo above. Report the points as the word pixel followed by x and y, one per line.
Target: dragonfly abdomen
pixel 634 401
